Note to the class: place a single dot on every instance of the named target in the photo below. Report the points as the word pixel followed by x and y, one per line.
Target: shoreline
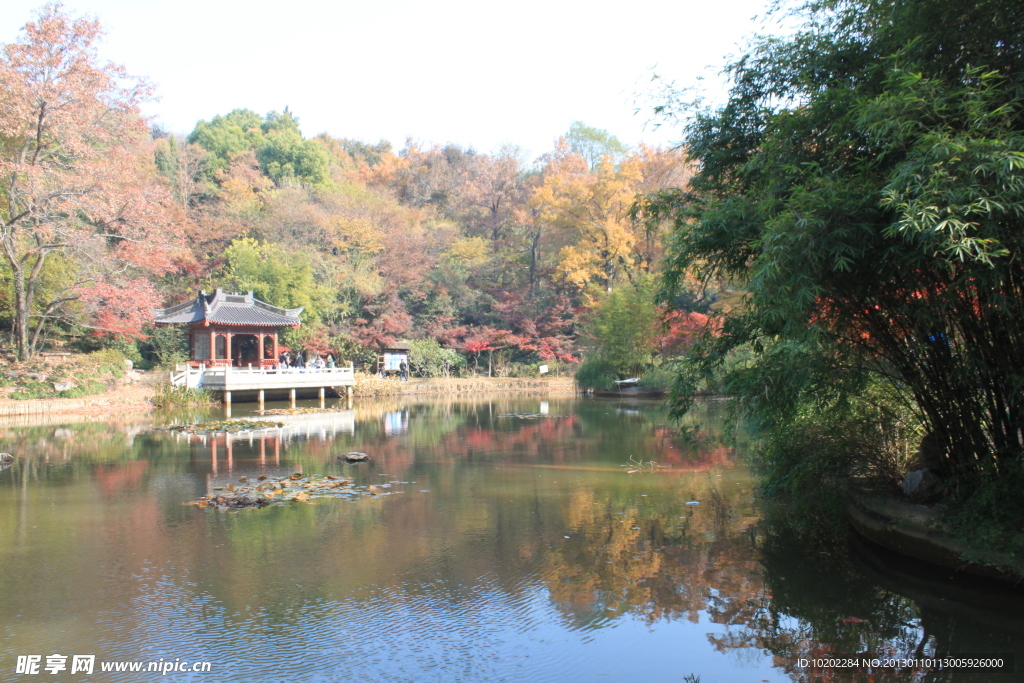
pixel 135 398
pixel 138 398
pixel 479 385
pixel 913 531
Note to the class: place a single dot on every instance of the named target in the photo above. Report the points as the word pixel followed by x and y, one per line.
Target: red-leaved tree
pixel 78 193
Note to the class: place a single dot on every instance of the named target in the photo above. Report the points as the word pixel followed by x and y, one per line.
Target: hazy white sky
pixel 473 73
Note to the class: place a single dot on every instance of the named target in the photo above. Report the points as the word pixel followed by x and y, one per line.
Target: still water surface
pixel 513 545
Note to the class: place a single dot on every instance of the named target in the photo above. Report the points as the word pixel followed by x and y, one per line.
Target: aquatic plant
pixel 636 466
pixel 170 396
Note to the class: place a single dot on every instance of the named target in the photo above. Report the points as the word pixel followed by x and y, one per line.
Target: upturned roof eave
pixel 207 309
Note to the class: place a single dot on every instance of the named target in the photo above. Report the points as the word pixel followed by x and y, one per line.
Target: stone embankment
pixel 914 530
pixel 374 386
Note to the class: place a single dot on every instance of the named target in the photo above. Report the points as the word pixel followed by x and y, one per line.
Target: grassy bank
pixel 80 384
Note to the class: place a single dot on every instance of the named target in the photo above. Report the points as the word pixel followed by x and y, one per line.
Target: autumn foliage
pixel 79 202
pixel 496 256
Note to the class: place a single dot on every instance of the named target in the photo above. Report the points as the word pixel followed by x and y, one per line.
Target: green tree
pixel 276 140
pixel 286 157
pixel 280 277
pixel 865 181
pixel 624 329
pixel 593 144
pixel 181 166
pixel 427 357
pixel 225 136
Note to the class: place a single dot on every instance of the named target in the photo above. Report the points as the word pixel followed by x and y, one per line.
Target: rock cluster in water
pixel 295 488
pixel 231 426
pixel 529 416
pixel 353 456
pixel 299 411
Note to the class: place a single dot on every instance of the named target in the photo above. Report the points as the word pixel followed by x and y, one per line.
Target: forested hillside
pixel 105 216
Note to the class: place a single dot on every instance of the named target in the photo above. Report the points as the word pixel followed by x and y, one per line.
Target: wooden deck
pixel 226 379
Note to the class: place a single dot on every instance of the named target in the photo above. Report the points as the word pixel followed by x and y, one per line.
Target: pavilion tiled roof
pixel 227 309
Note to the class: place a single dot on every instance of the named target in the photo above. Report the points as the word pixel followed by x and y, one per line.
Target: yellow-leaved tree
pixel 588 212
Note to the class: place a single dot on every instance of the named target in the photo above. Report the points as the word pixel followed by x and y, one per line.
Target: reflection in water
pixel 396 422
pixel 516 547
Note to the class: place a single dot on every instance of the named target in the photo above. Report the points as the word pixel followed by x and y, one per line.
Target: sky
pixel 474 73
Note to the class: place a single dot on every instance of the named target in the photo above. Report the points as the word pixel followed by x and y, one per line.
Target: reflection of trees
pixel 504 493
pixel 83 441
pixel 811 592
pixel 821 604
pixel 656 560
pixel 654 557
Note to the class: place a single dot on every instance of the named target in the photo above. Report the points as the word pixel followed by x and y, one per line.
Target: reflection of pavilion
pixel 262 447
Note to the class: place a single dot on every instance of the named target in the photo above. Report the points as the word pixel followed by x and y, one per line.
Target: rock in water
pixel 6 457
pixel 355 457
pixel 919 484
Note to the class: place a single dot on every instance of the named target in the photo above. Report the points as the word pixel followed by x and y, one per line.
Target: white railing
pixel 228 378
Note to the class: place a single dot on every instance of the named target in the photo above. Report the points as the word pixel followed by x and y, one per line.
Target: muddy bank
pixel 125 399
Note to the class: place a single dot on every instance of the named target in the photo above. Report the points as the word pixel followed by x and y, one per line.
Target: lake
pixel 514 538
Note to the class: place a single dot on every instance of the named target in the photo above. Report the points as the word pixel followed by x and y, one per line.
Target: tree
pixel 591 211
pixel 624 328
pixel 285 157
pixel 477 339
pixel 865 180
pixel 493 193
pixel 225 136
pixel 593 144
pixel 427 358
pixel 77 175
pixel 182 166
pixel 279 277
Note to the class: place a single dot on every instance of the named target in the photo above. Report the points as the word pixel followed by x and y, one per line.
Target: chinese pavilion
pixel 230 329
